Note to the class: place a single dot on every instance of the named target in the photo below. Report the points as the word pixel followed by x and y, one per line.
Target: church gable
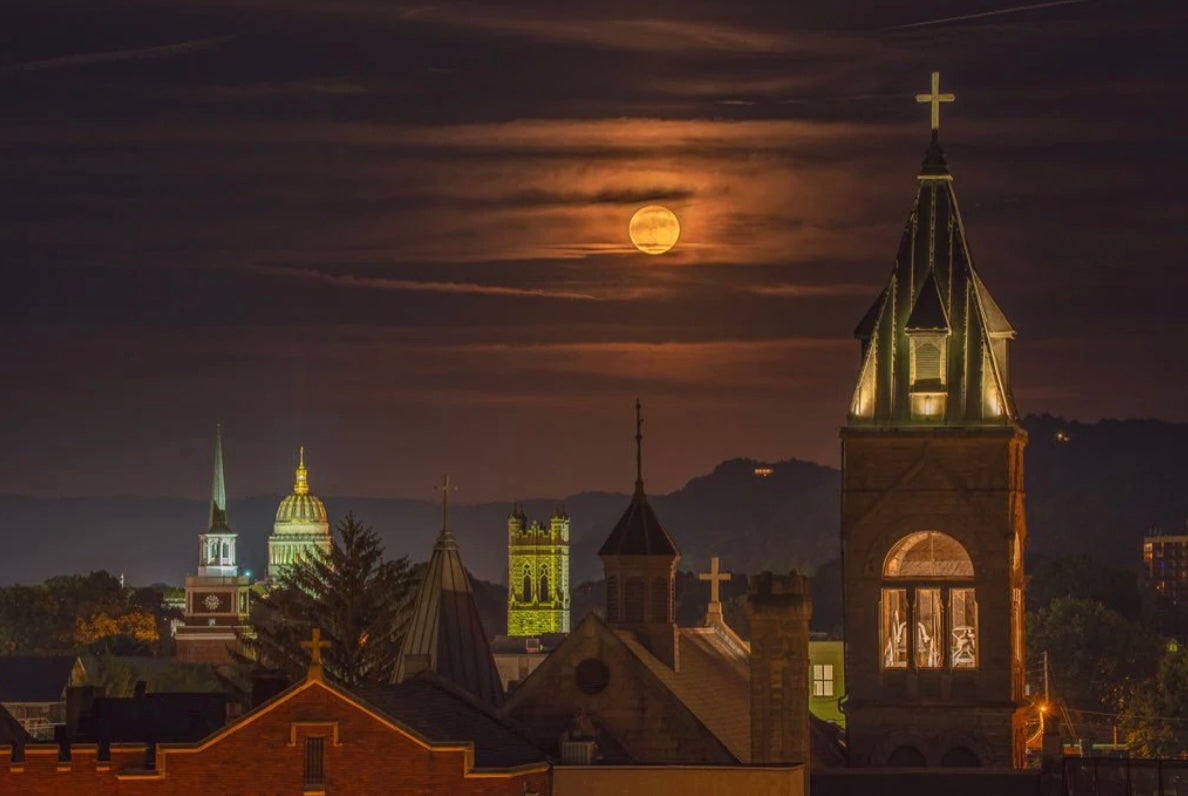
pixel 596 681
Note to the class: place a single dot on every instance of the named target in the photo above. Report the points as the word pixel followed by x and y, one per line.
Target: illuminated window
pixel 963 623
pixel 822 679
pixel 923 573
pixel 929 629
pixel 894 628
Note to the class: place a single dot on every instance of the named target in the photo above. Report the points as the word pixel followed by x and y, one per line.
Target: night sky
pixel 396 233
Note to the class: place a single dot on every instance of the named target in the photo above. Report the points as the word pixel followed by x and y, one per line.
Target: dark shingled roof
pixel 11 731
pixel 35 678
pixel 928 314
pixel 443 713
pixel 639 533
pixel 445 634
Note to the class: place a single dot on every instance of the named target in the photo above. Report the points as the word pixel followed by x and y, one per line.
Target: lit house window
pixel 928 605
pixel 822 679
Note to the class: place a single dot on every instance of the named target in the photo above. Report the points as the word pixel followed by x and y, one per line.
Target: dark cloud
pixel 399 232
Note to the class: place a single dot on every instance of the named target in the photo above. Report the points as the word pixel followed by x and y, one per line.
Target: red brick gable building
pixel 428 737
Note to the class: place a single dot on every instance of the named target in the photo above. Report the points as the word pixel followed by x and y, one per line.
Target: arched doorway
pixel 907 757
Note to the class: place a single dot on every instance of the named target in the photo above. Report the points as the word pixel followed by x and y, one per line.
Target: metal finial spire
pixel 301 485
pixel 639 490
pixel 935 98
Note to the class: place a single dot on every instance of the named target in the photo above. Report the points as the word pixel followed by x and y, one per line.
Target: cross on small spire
pixel 638 448
pixel 715 577
pixel 935 98
pixel 315 645
pixel 446 487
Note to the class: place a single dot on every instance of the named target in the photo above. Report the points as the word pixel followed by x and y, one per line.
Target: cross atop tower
pixel 446 487
pixel 935 98
pixel 715 577
pixel 315 645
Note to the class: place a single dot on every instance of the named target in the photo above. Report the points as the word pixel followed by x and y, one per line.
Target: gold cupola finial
pixel 301 486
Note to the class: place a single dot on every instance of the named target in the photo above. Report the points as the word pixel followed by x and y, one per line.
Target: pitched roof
pixel 639 532
pixel 443 713
pixel 713 682
pixel 11 730
pixel 445 634
pixel 934 286
pixel 35 678
pixel 866 326
pixel 928 313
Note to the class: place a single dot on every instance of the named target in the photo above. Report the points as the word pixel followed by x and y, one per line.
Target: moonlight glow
pixel 654 229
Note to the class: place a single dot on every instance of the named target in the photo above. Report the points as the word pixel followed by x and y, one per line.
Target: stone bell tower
pixel 932 507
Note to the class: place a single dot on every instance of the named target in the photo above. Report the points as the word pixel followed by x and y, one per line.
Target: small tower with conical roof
pixel 445 634
pixel 217 598
pixel 932 506
pixel 639 560
pixel 301 528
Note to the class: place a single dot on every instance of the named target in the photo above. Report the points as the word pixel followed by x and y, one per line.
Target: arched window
pixel 214 553
pixel 544 585
pixel 226 552
pixel 924 573
pixel 527 594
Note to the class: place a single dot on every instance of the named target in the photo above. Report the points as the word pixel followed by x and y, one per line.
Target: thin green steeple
pixel 218 488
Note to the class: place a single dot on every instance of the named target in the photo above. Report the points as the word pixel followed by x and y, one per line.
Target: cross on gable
pixel 315 645
pixel 935 98
pixel 715 577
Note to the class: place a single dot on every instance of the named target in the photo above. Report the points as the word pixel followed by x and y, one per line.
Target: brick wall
pixel 264 754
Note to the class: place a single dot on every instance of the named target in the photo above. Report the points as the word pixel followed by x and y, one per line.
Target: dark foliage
pixel 358 600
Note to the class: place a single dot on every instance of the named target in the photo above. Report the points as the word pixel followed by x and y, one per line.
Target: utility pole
pixel 1045 677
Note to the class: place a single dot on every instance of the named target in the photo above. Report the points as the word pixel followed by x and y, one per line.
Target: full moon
pixel 654 229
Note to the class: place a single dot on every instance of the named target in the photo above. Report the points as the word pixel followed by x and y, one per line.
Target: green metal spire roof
pixel 934 287
pixel 218 488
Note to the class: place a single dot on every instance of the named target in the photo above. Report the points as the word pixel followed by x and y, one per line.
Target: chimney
pixel 780 608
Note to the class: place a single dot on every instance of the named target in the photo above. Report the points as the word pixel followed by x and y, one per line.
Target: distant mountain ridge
pixel 1098 493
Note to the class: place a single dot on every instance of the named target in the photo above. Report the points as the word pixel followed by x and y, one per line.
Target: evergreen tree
pixel 360 601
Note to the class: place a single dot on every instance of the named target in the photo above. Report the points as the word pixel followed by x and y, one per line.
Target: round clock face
pixel 211 602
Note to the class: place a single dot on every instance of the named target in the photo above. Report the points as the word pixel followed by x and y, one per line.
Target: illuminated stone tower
pixel 932 507
pixel 301 528
pixel 537 574
pixel 639 559
pixel 217 597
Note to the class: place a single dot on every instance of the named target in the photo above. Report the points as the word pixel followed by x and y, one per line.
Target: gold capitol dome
pixel 301 507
